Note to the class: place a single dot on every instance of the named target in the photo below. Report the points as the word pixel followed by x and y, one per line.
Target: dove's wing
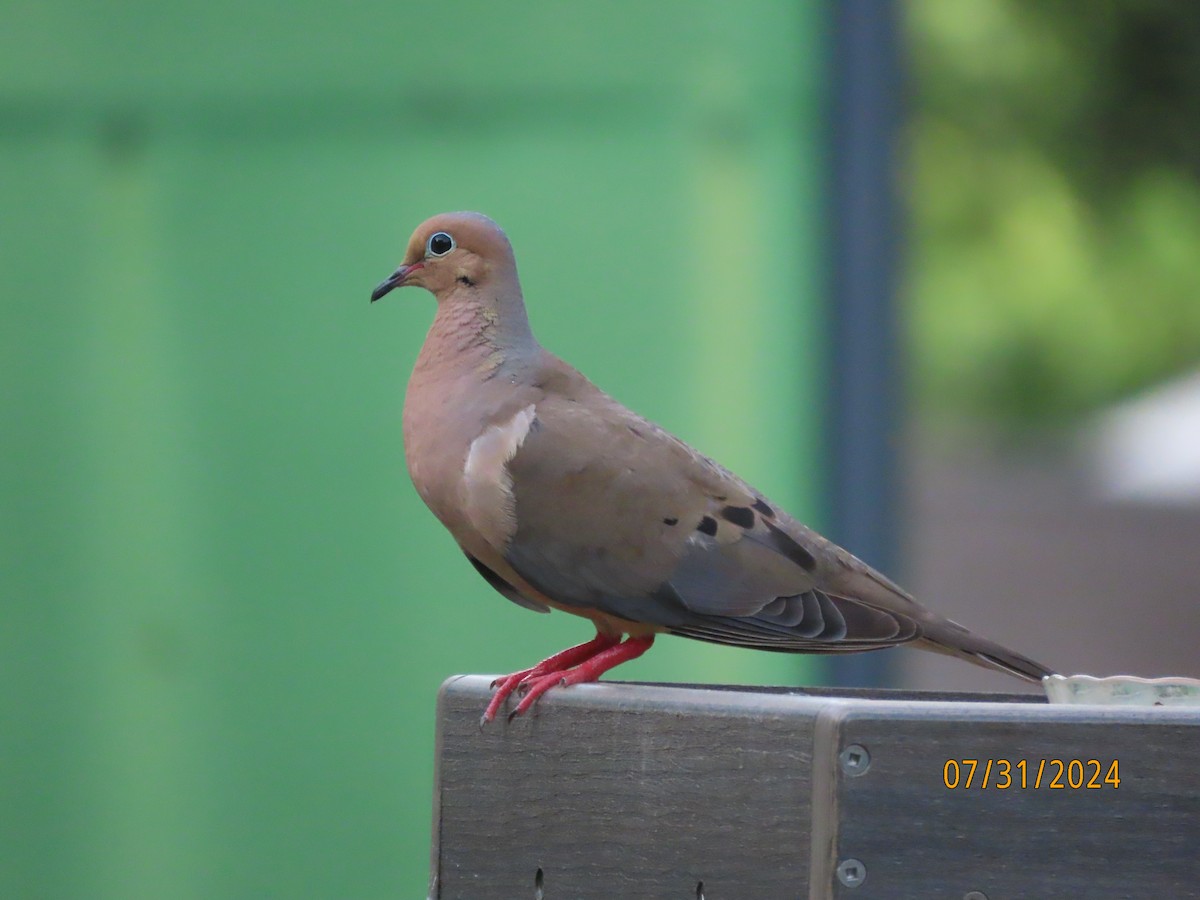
pixel 614 514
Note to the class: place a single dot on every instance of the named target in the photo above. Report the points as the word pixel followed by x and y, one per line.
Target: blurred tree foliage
pixel 1055 196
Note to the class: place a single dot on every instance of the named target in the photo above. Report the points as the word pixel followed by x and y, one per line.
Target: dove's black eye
pixel 439 244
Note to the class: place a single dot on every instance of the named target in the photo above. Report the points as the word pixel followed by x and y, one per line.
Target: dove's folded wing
pixel 614 514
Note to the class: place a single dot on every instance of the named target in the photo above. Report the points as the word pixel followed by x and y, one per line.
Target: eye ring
pixel 439 244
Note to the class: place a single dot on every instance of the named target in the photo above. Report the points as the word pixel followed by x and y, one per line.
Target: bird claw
pixel 523 675
pixel 585 662
pixel 532 684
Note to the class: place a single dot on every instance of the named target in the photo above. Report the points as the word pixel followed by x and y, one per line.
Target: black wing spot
pixel 762 507
pixel 463 279
pixel 708 525
pixel 741 516
pixel 789 548
pixel 670 520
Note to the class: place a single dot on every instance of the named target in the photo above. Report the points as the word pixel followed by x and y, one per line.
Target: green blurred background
pixel 225 611
pixel 1054 163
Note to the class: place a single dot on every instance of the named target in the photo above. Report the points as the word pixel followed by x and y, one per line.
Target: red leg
pixel 588 670
pixel 557 663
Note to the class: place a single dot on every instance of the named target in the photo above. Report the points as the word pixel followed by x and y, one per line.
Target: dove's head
pixel 452 251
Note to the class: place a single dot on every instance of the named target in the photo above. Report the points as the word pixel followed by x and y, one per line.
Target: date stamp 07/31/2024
pixel 1031 774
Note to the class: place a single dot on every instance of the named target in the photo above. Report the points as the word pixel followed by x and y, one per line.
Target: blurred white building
pixel 1147 448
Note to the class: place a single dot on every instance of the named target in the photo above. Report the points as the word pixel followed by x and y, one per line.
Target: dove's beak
pixel 395 280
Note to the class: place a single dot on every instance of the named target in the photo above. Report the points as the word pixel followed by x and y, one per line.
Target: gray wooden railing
pixel 644 791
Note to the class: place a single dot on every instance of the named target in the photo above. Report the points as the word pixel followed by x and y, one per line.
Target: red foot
pixel 559 661
pixel 575 665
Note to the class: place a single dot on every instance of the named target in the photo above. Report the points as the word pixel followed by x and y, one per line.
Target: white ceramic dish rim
pixel 1105 690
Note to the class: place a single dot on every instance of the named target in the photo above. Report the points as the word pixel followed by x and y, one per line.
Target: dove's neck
pixel 487 329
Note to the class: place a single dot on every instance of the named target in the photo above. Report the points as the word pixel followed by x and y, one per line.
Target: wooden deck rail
pixel 651 791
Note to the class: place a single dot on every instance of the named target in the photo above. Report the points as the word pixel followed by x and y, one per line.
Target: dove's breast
pixel 461 429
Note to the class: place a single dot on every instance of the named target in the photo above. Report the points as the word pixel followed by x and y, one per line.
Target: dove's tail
pixel 945 636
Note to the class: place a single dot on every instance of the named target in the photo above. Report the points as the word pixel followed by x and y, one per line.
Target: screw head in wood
pixel 851 872
pixel 855 760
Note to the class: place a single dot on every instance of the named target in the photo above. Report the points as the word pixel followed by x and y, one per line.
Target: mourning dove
pixel 561 498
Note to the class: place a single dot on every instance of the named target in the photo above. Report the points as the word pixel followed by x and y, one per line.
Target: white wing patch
pixel 487 483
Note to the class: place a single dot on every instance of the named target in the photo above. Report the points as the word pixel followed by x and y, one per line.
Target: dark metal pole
pixel 866 395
